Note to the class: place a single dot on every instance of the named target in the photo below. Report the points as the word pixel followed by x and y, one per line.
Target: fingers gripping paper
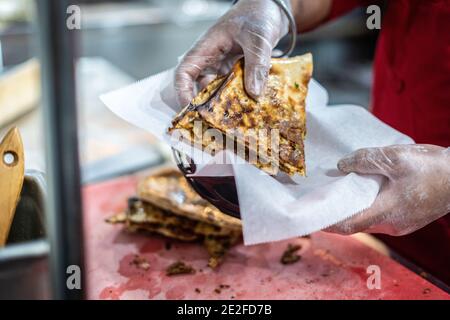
pixel 278 208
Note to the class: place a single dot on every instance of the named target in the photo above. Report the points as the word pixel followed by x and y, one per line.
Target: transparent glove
pixel 416 190
pixel 250 28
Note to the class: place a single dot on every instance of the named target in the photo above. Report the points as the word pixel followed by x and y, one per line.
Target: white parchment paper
pixel 276 209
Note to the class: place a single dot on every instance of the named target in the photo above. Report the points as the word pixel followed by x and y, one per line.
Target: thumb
pixel 370 161
pixel 257 65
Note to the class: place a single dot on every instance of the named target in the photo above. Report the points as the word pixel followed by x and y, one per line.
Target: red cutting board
pixel 331 267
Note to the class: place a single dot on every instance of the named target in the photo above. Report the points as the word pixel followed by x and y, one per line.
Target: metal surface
pixel 292 29
pixel 331 266
pixel 64 200
pixel 24 272
pixel 129 161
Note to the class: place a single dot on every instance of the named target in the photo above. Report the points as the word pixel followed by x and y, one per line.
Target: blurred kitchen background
pixel 123 41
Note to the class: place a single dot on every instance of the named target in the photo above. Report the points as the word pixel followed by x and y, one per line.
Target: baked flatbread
pixel 167 205
pixel 224 105
pixel 169 190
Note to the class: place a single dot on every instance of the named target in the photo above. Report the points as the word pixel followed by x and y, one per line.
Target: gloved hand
pixel 416 190
pixel 250 28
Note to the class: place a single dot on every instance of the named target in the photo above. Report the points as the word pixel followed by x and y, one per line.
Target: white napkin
pixel 276 209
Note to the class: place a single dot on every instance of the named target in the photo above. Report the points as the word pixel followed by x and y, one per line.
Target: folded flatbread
pixel 167 205
pixel 271 130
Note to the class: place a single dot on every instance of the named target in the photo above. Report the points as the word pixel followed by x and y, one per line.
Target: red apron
pixel 411 93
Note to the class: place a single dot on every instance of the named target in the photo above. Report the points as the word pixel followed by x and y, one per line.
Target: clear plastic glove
pixel 416 190
pixel 251 28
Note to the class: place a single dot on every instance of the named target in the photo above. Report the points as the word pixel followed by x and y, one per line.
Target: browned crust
pixel 145 216
pixel 224 105
pixel 169 190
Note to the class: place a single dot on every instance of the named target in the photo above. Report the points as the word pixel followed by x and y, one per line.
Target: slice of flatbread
pixel 144 216
pixel 270 130
pixel 169 190
pixel 167 205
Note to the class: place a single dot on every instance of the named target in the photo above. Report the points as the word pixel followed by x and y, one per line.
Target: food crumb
pixel 117 218
pixel 179 267
pixel 219 289
pixel 213 262
pixel 426 291
pixel 312 280
pixel 140 262
pixel 290 254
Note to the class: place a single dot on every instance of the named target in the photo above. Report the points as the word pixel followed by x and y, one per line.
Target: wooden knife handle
pixel 11 179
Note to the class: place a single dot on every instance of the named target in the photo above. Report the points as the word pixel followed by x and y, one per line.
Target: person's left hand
pixel 416 190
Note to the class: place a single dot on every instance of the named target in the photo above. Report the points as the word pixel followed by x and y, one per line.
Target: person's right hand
pixel 250 28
